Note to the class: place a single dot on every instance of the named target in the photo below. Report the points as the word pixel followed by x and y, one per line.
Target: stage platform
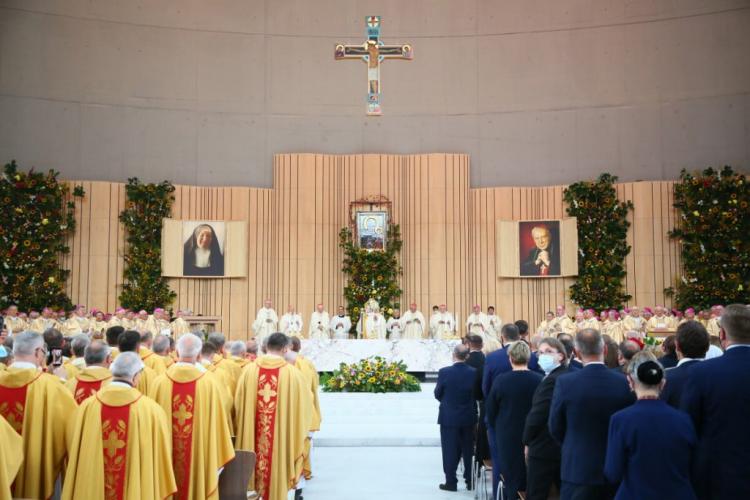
pixel 419 355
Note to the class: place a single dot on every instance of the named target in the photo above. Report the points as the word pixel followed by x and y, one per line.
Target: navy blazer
pixel 455 391
pixel 717 398
pixel 535 433
pixel 676 379
pixel 582 403
pixel 649 451
pixel 498 362
pixel 668 361
pixel 575 365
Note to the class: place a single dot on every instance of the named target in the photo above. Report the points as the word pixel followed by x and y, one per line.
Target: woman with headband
pixel 650 444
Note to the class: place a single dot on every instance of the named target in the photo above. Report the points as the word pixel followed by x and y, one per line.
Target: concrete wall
pixel 537 92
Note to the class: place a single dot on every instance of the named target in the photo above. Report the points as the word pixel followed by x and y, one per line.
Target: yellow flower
pixel 696 213
pixel 51 279
pixel 371 380
pixel 356 383
pixel 45 221
pixel 398 381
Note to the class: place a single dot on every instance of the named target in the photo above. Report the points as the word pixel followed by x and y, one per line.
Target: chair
pixel 236 476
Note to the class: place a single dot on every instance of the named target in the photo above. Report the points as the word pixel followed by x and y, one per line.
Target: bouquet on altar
pixel 373 374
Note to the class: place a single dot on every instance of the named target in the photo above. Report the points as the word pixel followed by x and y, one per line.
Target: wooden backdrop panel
pixel 449 233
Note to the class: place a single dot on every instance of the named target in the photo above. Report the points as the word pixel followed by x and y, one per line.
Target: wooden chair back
pixel 236 476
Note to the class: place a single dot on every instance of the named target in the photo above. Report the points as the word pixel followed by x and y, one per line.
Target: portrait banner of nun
pixel 204 249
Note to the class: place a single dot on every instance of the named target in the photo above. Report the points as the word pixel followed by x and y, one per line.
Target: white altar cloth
pixel 418 355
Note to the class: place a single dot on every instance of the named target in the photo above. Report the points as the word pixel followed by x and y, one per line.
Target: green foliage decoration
pixel 145 287
pixel 373 374
pixel 371 274
pixel 602 246
pixel 37 216
pixel 714 237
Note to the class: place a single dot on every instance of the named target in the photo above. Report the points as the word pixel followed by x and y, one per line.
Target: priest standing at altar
pixel 478 324
pixel 266 322
pixel 319 324
pixel 442 323
pixel 394 326
pixel 340 325
pixel 271 419
pixel 291 323
pixel 120 442
pixel 372 324
pixel 413 323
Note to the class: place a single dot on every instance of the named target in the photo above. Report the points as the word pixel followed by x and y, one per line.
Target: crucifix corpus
pixel 373 52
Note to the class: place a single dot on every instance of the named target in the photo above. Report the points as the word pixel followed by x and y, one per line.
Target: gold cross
pixel 16 424
pixel 112 444
pixel 181 414
pixel 267 393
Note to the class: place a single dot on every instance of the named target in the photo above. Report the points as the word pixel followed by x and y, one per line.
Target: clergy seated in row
pixel 120 441
pixel 272 418
pixel 95 375
pixel 199 431
pixel 35 404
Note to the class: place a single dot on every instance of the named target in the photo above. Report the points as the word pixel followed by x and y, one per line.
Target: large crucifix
pixel 373 52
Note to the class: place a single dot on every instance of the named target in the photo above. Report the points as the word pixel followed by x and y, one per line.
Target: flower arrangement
pixel 373 374
pixel 713 233
pixel 371 274
pixel 37 216
pixel 145 287
pixel 602 245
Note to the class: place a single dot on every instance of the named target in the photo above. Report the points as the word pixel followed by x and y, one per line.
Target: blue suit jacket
pixel 649 450
pixel 717 398
pixel 582 403
pixel 497 362
pixel 455 391
pixel 676 379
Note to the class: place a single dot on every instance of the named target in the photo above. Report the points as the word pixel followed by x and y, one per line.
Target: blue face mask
pixel 548 362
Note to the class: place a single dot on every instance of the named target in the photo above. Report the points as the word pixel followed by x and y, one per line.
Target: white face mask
pixel 548 362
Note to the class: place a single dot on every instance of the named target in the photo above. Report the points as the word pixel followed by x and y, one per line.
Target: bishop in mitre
pixel 414 324
pixel 319 323
pixel 266 321
pixel 119 447
pixel 340 325
pixel 118 319
pixel 291 322
pixel 95 375
pixel 199 431
pixel 371 324
pixel 11 457
pixel 35 403
pixel 442 323
pixel 272 417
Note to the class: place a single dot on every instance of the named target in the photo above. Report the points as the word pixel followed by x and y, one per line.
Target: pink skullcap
pixel 120 310
pixel 142 311
pixel 158 310
pixel 648 309
pixel 690 309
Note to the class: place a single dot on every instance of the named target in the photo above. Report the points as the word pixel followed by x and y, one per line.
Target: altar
pixel 419 355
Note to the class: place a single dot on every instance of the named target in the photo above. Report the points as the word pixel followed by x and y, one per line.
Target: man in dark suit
pixel 582 404
pixel 523 331
pixel 570 350
pixel 691 344
pixel 627 349
pixel 717 398
pixel 543 452
pixel 476 360
pixel 457 416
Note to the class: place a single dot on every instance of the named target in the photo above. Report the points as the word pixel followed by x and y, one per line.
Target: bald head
pixel 590 345
pixel 161 345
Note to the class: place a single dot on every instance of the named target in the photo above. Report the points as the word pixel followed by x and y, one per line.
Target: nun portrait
pixel 202 254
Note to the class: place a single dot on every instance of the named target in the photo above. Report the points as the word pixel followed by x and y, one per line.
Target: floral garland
pixel 371 274
pixel 36 224
pixel 602 246
pixel 145 287
pixel 713 235
pixel 372 375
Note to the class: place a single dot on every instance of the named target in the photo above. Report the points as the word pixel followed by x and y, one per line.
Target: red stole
pixel 183 405
pixel 265 421
pixel 114 449
pixel 85 389
pixel 13 404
